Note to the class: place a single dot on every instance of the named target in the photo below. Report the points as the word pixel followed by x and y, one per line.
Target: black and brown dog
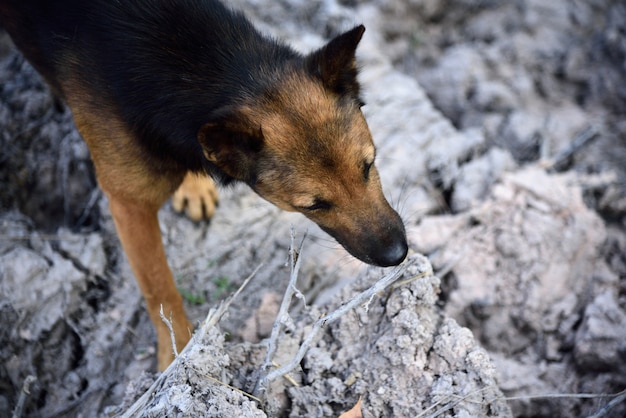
pixel 171 93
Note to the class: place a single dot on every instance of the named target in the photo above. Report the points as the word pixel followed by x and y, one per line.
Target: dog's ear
pixel 232 146
pixel 335 63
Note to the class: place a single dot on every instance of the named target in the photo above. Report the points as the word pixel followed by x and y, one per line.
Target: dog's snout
pixel 392 246
pixel 393 254
pixel 378 239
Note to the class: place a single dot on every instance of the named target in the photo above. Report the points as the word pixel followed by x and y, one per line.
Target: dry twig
pixel 17 412
pixel 283 313
pixel 580 141
pixel 168 324
pixel 448 403
pixel 619 397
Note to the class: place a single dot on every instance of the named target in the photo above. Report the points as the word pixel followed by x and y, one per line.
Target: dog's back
pixel 162 66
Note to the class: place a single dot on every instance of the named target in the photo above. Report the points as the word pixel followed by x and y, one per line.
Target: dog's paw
pixel 197 196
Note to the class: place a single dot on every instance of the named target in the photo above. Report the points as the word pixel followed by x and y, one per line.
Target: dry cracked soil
pixel 501 136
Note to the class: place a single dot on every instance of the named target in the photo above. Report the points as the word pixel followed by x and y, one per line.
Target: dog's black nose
pixel 392 255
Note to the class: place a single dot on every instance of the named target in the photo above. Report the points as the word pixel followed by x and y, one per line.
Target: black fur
pixel 170 65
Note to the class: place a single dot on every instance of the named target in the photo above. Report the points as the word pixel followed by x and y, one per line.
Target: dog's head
pixel 305 146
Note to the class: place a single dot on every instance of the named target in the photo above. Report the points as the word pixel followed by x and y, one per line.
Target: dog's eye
pixel 318 205
pixel 367 167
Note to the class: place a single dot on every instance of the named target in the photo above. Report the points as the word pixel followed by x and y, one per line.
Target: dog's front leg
pixel 138 229
pixel 136 191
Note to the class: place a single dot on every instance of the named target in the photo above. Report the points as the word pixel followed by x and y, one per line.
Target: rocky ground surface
pixel 502 141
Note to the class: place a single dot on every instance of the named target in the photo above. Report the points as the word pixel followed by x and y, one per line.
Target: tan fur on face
pixel 316 145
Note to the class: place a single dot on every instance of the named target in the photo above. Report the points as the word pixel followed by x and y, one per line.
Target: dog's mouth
pixel 381 244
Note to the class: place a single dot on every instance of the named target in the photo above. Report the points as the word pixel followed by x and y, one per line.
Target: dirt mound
pixel 398 353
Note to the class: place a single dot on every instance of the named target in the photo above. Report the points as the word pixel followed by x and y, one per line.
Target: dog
pixel 170 95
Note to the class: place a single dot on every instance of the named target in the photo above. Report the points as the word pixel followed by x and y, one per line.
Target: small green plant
pixel 194 299
pixel 222 285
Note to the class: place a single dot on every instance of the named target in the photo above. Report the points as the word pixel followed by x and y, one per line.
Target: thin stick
pixel 283 312
pixel 219 382
pixel 565 396
pixel 619 397
pixel 168 324
pixel 17 412
pixel 579 142
pixel 448 404
pixel 213 317
pixel 93 199
pixel 43 237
